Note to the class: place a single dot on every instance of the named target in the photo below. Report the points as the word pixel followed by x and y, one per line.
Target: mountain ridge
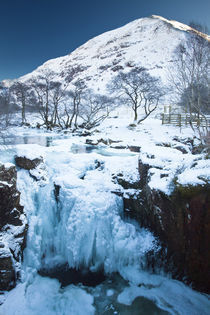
pixel 148 42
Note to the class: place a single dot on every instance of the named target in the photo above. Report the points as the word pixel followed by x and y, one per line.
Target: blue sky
pixel 33 31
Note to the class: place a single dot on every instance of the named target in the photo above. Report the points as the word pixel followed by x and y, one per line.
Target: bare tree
pixel 95 108
pixel 21 90
pixel 7 107
pixel 138 89
pixel 200 96
pixel 58 94
pixel 48 93
pixel 42 85
pixel 189 75
pixel 72 104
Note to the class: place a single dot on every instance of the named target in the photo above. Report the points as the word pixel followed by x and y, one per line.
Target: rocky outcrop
pixel 36 167
pixel 26 163
pixel 181 221
pixel 13 227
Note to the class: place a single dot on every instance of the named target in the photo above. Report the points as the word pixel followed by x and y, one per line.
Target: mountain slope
pixel 147 42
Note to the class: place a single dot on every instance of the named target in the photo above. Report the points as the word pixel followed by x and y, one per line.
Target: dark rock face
pixel 182 223
pixel 7 273
pixel 9 197
pixel 27 164
pixel 13 227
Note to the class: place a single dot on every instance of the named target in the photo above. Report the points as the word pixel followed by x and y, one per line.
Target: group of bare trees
pixel 70 103
pixel 58 103
pixel 7 106
pixel 63 103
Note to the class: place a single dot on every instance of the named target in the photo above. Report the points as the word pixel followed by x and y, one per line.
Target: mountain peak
pixel 147 42
pixel 181 26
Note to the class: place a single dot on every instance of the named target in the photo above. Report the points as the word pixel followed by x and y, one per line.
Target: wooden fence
pixel 185 119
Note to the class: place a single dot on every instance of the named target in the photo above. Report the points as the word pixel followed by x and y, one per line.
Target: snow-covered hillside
pixel 147 42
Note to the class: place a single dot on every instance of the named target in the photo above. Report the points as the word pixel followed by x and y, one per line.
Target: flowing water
pixel 82 255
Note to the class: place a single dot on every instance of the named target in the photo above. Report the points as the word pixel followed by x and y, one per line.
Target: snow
pixel 5 183
pixel 44 296
pixel 7 165
pixel 86 228
pixel 10 237
pixel 30 151
pixel 109 292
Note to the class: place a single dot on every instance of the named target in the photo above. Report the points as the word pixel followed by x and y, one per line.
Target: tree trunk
pixel 135 113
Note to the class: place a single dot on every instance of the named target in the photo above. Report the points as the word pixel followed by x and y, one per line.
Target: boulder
pixel 134 148
pixel 26 163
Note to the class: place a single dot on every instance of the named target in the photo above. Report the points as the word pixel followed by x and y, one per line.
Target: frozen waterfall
pixel 83 226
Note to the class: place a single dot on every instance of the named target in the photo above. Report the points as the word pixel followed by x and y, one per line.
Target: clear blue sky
pixel 33 31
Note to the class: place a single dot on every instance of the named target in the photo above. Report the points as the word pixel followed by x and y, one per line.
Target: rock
pixel 134 148
pixel 10 209
pixel 57 192
pixel 181 221
pixel 7 273
pixel 143 171
pixel 13 227
pixel 130 193
pixel 27 164
pixel 132 126
pixel 40 174
pixel 99 164
pixel 91 142
pixel 119 147
pixel 85 133
pixel 181 149
pixel 36 167
pixel 125 183
pixel 104 141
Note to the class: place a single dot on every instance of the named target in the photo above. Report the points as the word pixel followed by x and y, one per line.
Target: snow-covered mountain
pixel 147 42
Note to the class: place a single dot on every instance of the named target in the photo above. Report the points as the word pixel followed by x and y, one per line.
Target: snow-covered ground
pixel 86 228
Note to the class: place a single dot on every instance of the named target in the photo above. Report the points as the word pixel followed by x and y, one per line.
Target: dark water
pixel 67 275
pixel 109 305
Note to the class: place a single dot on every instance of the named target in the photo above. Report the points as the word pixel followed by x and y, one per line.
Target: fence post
pixel 179 120
pixel 186 119
pixel 163 119
pixel 169 114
